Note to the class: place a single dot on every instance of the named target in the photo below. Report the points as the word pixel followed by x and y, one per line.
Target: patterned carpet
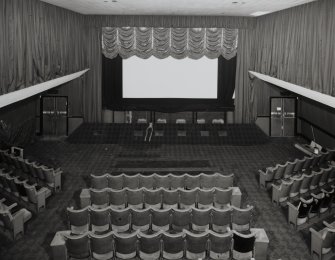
pixel 79 160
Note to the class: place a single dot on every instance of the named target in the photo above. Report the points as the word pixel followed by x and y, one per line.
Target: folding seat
pixel 115 182
pixel 78 220
pixel 161 219
pixel 298 212
pixel 222 197
pixel 173 245
pixel 187 198
pixel 315 162
pixel 38 168
pixel 177 181
pixel 280 193
pixel 102 245
pixel 241 218
pixel 100 220
pixel 316 179
pixel 152 198
pixel 146 182
pixel 322 241
pixel 279 172
pixel 31 169
pixel 161 181
pixel 289 169
pixel 192 181
pixel 205 198
pixel 53 178
pixel 37 197
pixel 149 245
pixel 131 181
pixel 99 182
pixel 120 219
pixel 125 245
pixel 77 246
pixel 221 219
pixel 299 163
pixel 118 199
pixel 220 245
pixel 327 200
pixel 243 245
pixel 224 181
pixel 207 181
pixel 99 198
pixel 306 183
pixel 295 188
pixel 265 176
pixel 181 219
pixel 325 176
pixel 135 198
pixel 196 245
pixel 323 160
pixel 170 198
pixel 316 204
pixel 201 219
pixel 140 219
pixel 307 164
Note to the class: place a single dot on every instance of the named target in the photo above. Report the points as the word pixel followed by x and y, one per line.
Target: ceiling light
pixel 259 13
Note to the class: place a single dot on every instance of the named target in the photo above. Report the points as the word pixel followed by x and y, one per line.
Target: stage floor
pixel 231 134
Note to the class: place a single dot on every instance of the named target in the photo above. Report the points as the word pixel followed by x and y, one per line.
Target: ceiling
pixel 176 7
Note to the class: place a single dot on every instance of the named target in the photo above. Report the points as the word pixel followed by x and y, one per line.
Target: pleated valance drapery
pixel 179 43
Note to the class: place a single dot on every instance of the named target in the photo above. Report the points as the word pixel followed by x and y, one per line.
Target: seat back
pixel 125 245
pixel 289 169
pixel 220 244
pixel 285 188
pixel 120 219
pixel 118 199
pixel 140 219
pixel 149 245
pixel 224 181
pixel 196 245
pixel 241 218
pixel 243 245
pixel 131 181
pixel 173 245
pixel 146 181
pixel 161 219
pixel 102 246
pixel 205 198
pixel 170 198
pixel 31 193
pixel 307 163
pixel 78 220
pixel 207 181
pixel 77 246
pixel 295 189
pixel 201 219
pixel 222 197
pixel 177 181
pixel 187 198
pixel 115 182
pixel 152 198
pixel 306 183
pixel 316 179
pixel 328 238
pixel 298 165
pixel 279 171
pixel 221 219
pixel 161 181
pixel 192 181
pixel 99 198
pixel 181 219
pixel 99 182
pixel 100 219
pixel 135 198
pixel 325 175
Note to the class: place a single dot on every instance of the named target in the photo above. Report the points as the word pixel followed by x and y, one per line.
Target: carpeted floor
pixel 80 160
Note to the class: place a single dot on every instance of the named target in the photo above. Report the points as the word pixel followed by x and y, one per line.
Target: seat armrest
pixel 12 206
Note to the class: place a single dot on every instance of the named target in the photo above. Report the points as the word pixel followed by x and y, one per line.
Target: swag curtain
pixel 163 42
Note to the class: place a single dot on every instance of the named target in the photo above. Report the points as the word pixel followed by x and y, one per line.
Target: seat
pixel 299 163
pixel 140 219
pixel 149 245
pixel 325 176
pixel 298 212
pixel 221 219
pixel 306 183
pixel 181 219
pixel 243 245
pixel 295 188
pixel 102 245
pixel 192 181
pixel 177 181
pixel 307 164
pixel 53 178
pixel 316 179
pixel 152 198
pixel 161 181
pixel 118 199
pixel 135 198
pixel 207 181
pixel 99 182
pixel 181 127
pixel 241 218
pixel 219 244
pixel 146 182
pixel 115 182
pixel 159 130
pixel 196 245
pixel 100 220
pixel 77 246
pixel 11 183
pixel 289 169
pixel 331 176
pixel 205 198
pixel 281 192
pixel 120 219
pixel 21 189
pixel 316 204
pixel 37 197
pixel 279 172
pixel 265 176
pixel 14 222
pixel 327 200
pixel 78 220
pixel 222 197
pixel 99 198
pixel 173 245
pixel 224 181
pixel 131 181
pixel 322 241
pixel 187 198
pixel 201 219
pixel 38 168
pixel 160 219
pixel 170 198
pixel 315 162
pixel 125 245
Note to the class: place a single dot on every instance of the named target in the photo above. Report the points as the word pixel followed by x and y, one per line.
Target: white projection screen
pixel 170 78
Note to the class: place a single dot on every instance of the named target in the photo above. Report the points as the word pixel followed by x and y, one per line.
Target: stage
pixel 230 134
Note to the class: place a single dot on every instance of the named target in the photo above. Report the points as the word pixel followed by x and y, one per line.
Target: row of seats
pixel 160 198
pixel 13 217
pixel 181 121
pixel 155 181
pixel 124 220
pixel 138 245
pixel 41 173
pixel 288 169
pixel 21 188
pixel 302 184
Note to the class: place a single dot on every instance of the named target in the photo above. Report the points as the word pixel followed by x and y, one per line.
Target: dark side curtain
pixel 112 91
